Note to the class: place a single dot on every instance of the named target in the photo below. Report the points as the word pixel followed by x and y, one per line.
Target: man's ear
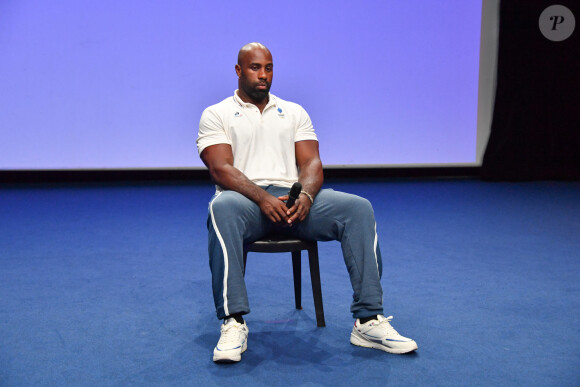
pixel 238 70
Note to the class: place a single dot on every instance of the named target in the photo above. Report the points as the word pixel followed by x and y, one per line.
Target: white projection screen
pixel 121 84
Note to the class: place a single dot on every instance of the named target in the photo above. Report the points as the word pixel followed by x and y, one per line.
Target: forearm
pixel 220 163
pixel 311 177
pixel 230 178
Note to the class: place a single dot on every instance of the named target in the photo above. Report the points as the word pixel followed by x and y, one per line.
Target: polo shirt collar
pixel 271 101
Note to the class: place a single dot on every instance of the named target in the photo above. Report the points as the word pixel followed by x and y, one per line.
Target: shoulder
pixel 218 115
pixel 221 107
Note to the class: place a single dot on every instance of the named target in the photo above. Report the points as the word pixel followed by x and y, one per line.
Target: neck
pixel 260 104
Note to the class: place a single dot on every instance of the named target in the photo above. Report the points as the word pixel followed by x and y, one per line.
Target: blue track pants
pixel 234 221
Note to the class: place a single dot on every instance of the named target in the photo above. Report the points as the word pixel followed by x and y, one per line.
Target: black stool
pixel 282 244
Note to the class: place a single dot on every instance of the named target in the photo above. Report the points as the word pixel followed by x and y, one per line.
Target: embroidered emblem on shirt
pixel 237 114
pixel 280 112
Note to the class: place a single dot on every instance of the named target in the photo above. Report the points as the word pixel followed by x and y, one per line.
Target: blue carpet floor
pixel 108 285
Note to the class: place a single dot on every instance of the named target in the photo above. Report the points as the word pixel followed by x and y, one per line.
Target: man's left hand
pixel 299 211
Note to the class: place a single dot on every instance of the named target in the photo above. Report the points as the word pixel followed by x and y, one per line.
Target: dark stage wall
pixel 535 131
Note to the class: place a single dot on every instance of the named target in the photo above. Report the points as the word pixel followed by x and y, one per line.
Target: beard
pixel 253 91
pixel 258 95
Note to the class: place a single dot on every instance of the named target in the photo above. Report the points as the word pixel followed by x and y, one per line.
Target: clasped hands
pixel 275 209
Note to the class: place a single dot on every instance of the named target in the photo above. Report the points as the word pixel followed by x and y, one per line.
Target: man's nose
pixel 262 73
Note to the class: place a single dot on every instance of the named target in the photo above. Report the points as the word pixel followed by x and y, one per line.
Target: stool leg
pixel 297 270
pixel 316 287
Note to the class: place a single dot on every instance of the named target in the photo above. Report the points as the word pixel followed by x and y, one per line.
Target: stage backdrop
pixel 536 124
pixel 121 84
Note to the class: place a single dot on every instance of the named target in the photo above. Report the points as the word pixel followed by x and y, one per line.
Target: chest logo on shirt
pixel 237 114
pixel 280 112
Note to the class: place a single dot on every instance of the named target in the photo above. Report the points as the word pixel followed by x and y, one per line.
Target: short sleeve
pixel 211 130
pixel 304 128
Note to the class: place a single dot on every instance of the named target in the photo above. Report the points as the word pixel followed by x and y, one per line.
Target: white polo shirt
pixel 262 143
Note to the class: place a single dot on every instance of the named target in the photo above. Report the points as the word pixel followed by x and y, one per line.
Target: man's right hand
pixel 274 208
pixel 219 160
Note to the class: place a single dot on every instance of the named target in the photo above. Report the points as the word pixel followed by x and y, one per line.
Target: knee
pixel 362 205
pixel 355 207
pixel 362 210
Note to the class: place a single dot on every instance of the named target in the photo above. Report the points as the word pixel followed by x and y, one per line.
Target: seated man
pixel 256 146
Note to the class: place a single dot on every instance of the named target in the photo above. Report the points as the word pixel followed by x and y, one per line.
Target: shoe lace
pixel 230 333
pixel 385 323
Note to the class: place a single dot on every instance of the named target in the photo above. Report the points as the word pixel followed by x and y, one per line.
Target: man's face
pixel 256 72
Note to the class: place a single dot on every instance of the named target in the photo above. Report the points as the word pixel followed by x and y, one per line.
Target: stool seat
pixel 280 244
pixel 276 243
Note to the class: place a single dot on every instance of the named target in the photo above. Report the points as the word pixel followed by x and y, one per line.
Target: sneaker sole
pixel 229 356
pixel 361 342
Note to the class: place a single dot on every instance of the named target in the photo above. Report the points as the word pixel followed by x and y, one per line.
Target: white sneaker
pixel 380 335
pixel 233 341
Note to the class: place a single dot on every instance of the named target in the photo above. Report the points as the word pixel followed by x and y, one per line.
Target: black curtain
pixel 535 131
